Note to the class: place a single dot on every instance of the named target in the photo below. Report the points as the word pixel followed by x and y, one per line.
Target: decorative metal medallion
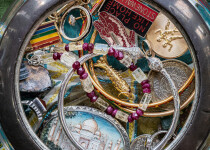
pixel 179 72
pixel 140 143
pixel 167 41
pixel 93 129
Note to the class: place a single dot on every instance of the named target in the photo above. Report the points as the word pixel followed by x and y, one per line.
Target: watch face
pixel 123 79
pixel 106 75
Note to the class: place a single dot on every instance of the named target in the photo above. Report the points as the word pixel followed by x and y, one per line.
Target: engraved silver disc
pixel 140 143
pixel 180 72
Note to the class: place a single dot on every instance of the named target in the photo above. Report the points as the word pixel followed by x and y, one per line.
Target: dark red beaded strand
pixel 146 89
pixel 88 47
pixel 119 55
pixel 135 116
pixel 93 98
pixel 57 56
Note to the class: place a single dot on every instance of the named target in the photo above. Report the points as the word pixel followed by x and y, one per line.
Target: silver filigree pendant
pixel 91 128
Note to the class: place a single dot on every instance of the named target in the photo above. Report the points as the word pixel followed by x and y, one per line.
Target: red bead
pixel 130 119
pixel 135 116
pixel 84 76
pixel 67 47
pixel 90 47
pixel 120 55
pixel 109 110
pixel 76 65
pixel 55 56
pixel 93 99
pixel 114 112
pixel 91 94
pixel 85 46
pixel 59 55
pixel 80 71
pixel 144 82
pixel 133 67
pixel 116 53
pixel 139 112
pixel 111 51
pixel 146 90
pixel 146 85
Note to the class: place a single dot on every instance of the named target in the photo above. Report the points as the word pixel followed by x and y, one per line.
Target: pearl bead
pixel 130 119
pixel 114 112
pixel 146 85
pixel 146 90
pixel 80 71
pixel 109 110
pixel 133 67
pixel 139 112
pixel 144 82
pixel 111 51
pixel 55 56
pixel 120 55
pixel 93 99
pixel 67 47
pixel 91 94
pixel 85 46
pixel 135 116
pixel 84 76
pixel 76 65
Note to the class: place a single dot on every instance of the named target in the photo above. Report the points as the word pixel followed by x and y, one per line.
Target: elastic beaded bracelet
pixel 88 87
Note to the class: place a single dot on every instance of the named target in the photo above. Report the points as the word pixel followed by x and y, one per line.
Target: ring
pixel 87 29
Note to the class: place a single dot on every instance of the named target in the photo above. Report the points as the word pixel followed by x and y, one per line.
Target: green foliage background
pixel 4 4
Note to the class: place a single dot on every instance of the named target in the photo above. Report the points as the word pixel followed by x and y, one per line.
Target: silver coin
pixel 180 72
pixel 140 143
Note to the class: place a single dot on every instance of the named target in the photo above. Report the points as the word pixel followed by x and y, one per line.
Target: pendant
pixel 167 41
pixel 91 128
pixel 120 84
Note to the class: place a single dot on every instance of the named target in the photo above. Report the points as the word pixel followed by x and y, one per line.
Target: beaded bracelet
pixel 93 98
pixel 146 87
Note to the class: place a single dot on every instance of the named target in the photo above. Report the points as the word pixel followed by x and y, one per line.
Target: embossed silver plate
pixel 93 129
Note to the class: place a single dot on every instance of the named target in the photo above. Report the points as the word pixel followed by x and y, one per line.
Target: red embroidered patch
pixel 133 14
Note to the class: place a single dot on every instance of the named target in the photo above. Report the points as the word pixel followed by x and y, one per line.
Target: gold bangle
pixel 123 103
